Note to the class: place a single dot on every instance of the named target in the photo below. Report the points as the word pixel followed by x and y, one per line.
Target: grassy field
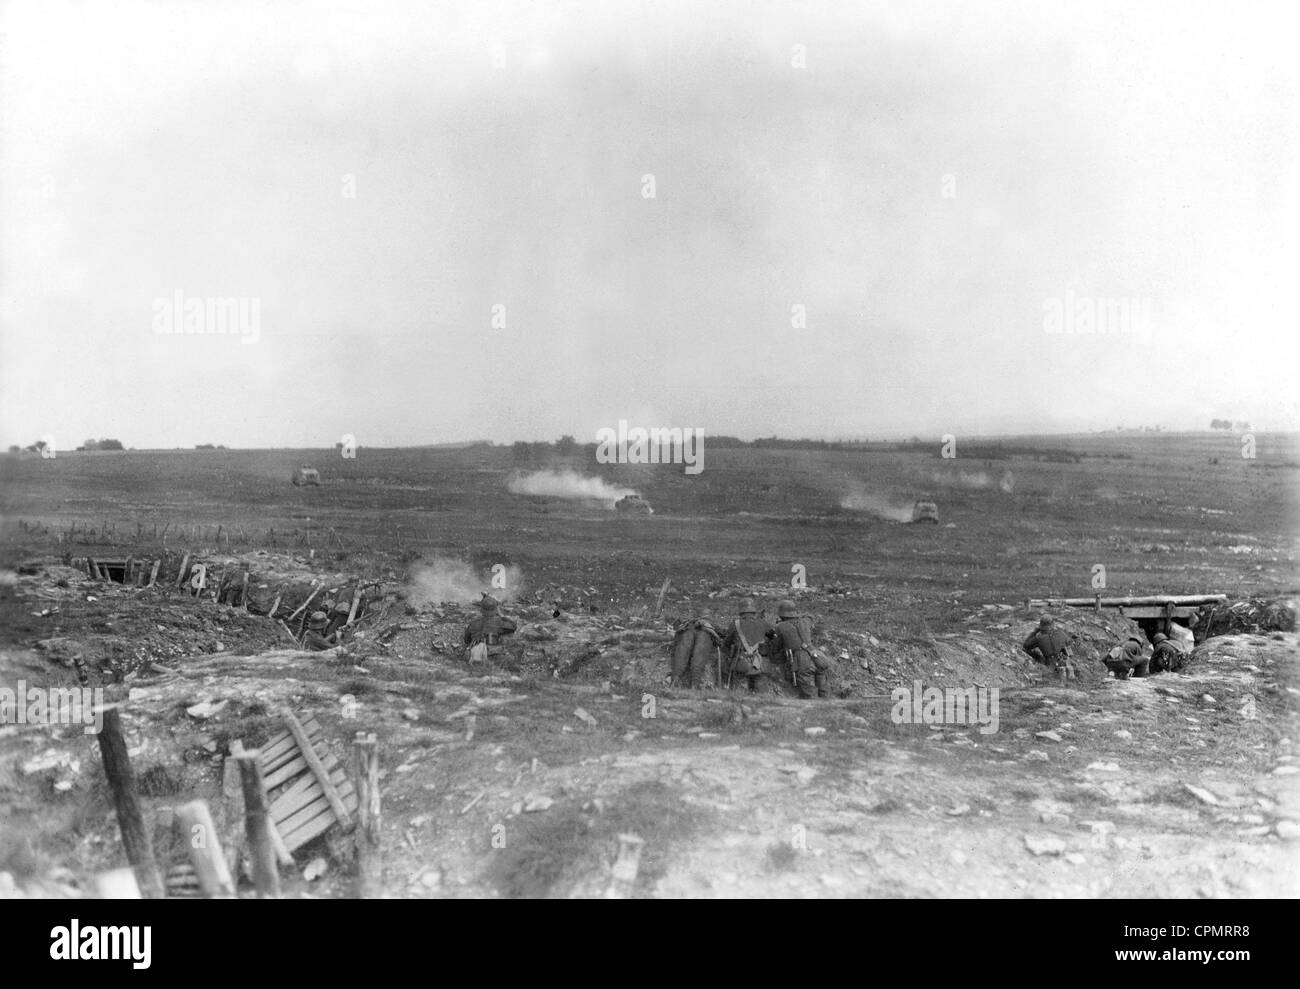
pixel 519 780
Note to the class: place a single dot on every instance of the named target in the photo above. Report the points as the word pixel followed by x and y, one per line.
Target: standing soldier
pixel 483 634
pixel 1167 657
pixel 745 644
pixel 792 640
pixel 1049 646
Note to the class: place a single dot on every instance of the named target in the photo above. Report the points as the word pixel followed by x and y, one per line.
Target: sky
pixel 518 220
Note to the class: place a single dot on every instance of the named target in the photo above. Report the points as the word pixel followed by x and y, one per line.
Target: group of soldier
pixel 1050 646
pixel 752 653
pixel 755 655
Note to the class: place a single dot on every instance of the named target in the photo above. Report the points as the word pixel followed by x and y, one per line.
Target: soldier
pixel 693 648
pixel 316 639
pixel 792 640
pixel 483 634
pixel 338 618
pixel 1167 657
pixel 745 643
pixel 1049 646
pixel 1127 660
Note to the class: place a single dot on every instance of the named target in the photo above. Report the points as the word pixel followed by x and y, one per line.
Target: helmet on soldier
pixel 786 609
pixel 1159 638
pixel 318 619
pixel 488 602
pixel 747 607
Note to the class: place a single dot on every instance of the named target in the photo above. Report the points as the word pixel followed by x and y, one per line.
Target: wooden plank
pixel 274 750
pixel 317 826
pixel 289 753
pixel 319 804
pixel 295 766
pixel 180 577
pixel 303 792
pixel 1155 612
pixel 317 767
pixel 153 574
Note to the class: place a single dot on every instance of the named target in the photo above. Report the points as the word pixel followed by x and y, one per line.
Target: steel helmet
pixel 747 607
pixel 786 609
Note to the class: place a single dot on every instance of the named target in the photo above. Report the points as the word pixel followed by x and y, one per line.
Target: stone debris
pixel 1044 845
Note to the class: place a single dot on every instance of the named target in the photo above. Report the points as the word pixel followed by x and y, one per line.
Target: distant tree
pixel 566 446
pixel 522 451
pixel 15 448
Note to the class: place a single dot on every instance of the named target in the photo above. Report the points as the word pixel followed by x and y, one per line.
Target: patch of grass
pixel 781 857
pixel 558 850
pixel 159 781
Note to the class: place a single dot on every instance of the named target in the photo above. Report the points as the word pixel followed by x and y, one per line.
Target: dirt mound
pixel 1252 615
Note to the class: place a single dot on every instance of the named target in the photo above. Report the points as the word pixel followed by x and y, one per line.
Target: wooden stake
pixel 316 587
pixel 276 605
pixel 180 577
pixel 370 855
pixel 232 807
pixel 199 834
pixel 257 825
pixel 356 600
pixel 130 821
pixel 153 574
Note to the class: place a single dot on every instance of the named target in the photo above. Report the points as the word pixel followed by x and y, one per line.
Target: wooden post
pixel 153 574
pixel 185 566
pixel 660 603
pixel 243 592
pixel 370 855
pixel 356 600
pixel 121 781
pixel 257 825
pixel 232 807
pixel 275 605
pixel 199 834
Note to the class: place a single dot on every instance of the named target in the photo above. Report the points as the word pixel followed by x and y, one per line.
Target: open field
pixel 493 784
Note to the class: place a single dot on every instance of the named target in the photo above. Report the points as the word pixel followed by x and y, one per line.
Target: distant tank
pixel 633 503
pixel 306 476
pixel 925 511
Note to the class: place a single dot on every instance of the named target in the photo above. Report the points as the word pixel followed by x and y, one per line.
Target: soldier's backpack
pixel 746 659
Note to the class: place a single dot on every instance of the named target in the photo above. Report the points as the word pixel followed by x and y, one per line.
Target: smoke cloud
pixel 859 499
pixel 444 581
pixel 567 484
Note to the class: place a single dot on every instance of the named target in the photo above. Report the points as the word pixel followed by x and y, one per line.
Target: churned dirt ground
pixel 568 767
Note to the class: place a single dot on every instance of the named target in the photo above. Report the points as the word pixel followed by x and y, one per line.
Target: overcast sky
pixel 379 176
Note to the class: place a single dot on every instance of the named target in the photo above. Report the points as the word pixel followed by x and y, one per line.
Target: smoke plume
pixel 567 484
pixel 859 499
pixel 444 581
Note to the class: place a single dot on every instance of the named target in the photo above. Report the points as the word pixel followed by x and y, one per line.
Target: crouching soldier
pixel 792 641
pixel 1127 660
pixel 316 638
pixel 745 643
pixel 694 643
pixel 484 633
pixel 1049 646
pixel 1167 657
